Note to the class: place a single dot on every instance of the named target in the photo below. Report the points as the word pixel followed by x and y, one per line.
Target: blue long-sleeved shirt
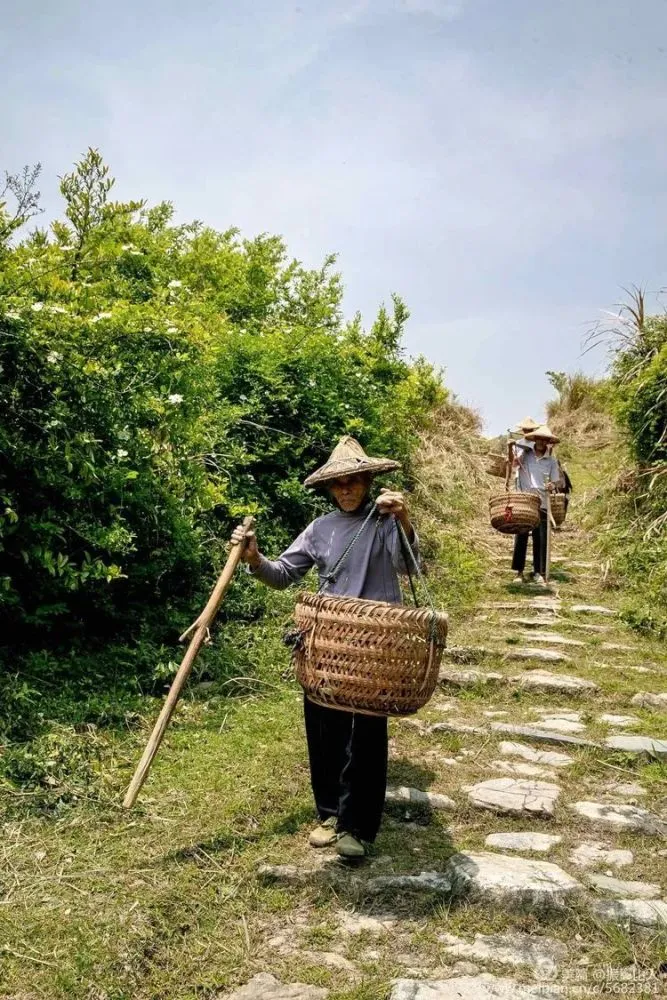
pixel 370 570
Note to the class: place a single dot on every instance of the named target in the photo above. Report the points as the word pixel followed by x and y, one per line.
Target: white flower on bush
pixel 174 283
pixel 53 357
pixel 100 316
pixel 172 329
pixel 175 398
pixel 10 314
pixel 37 307
pixel 121 453
pixel 55 309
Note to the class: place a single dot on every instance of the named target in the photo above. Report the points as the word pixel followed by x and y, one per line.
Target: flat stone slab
pixel 637 912
pixel 588 627
pixel 424 882
pixel 456 727
pixel 616 647
pixel 543 604
pixel 625 890
pixel 267 987
pixel 550 758
pixel 625 788
pixel 645 699
pixel 533 622
pixel 482 987
pixel 620 816
pixel 520 768
pixel 595 853
pixel 559 725
pixel 619 720
pixel 415 796
pixel 544 680
pixel 555 639
pixel 550 713
pixel 539 655
pixel 637 744
pixel 540 735
pixel 544 955
pixel 508 879
pixel 591 609
pixel 468 678
pixel 527 841
pixel 514 796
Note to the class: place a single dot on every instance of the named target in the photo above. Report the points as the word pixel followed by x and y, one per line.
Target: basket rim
pixel 312 599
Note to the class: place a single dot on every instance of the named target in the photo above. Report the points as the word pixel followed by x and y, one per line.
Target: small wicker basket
pixel 515 513
pixel 558 508
pixel 365 656
pixel 496 465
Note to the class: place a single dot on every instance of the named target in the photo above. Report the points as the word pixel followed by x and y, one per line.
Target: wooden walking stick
pixel 201 629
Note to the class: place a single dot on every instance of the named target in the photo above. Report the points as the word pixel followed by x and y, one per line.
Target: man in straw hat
pixel 347 750
pixel 537 472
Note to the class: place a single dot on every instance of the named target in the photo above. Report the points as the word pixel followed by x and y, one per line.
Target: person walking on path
pixel 534 465
pixel 524 427
pixel 347 751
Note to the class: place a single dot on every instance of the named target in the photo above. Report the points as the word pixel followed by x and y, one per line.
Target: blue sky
pixel 501 164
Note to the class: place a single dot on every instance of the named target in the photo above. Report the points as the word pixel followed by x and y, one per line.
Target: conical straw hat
pixel 527 424
pixel 545 433
pixel 348 458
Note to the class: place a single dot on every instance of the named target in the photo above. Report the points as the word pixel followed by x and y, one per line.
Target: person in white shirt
pixel 537 471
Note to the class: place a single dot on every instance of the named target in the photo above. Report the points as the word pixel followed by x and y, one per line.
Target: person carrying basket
pixel 347 750
pixel 537 472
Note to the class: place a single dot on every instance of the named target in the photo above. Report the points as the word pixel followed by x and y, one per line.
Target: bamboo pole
pixel 549 523
pixel 201 628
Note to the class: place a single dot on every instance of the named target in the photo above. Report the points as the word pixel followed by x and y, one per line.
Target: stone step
pixel 482 987
pixel 544 680
pixel 538 655
pixel 415 796
pixel 624 890
pixel 591 609
pixel 644 699
pixel 266 987
pixel 468 678
pixel 620 816
pixel 542 954
pixel 555 639
pixel 514 796
pixel 537 735
pixel 638 744
pixel 633 912
pixel 539 843
pixel 510 879
pixel 550 758
pixel 595 853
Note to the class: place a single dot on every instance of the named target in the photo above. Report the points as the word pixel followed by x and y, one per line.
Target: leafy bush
pixel 157 383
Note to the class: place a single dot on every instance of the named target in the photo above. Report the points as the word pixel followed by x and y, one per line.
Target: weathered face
pixel 349 492
pixel 540 446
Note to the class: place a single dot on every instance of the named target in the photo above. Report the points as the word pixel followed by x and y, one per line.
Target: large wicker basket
pixel 515 513
pixel 558 508
pixel 496 465
pixel 369 657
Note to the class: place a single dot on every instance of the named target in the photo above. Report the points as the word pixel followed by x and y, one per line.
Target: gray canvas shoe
pixel 325 834
pixel 349 847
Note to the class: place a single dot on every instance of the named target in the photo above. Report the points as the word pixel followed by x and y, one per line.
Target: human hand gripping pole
pixel 201 628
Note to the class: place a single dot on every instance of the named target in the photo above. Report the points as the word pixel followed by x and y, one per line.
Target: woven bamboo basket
pixel 369 657
pixel 515 513
pixel 496 465
pixel 558 510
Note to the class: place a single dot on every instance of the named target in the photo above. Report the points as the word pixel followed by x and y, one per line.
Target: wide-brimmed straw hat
pixel 527 424
pixel 347 459
pixel 544 433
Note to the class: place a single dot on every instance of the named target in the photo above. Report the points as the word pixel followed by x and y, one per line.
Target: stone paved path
pixel 518 828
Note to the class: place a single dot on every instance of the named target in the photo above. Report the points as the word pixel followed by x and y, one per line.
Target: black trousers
pixel 348 767
pixel 539 536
